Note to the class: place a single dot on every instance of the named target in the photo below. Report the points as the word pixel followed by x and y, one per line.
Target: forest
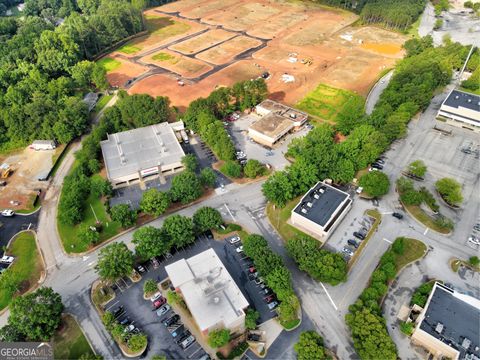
pixel 393 14
pixel 45 67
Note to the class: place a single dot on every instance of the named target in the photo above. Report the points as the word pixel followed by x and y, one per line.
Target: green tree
pixel 137 342
pixel 190 162
pixel 251 318
pixel 474 261
pixel 37 315
pixel 56 52
pixel 278 188
pixel 88 235
pixel 254 168
pixel 218 338
pixel 417 168
pixel 406 328
pixel 154 202
pixel 179 229
pixel 150 286
pixel 150 241
pixel 114 261
pixel 185 188
pixel 206 218
pixel 375 183
pixel 124 215
pixel 411 197
pixel 310 346
pixel 10 333
pixel 450 190
pixel 398 246
pixel 100 186
pixel 208 177
pixel 232 169
pixel 108 319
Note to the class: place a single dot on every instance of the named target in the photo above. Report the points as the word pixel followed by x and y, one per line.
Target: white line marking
pixel 387 213
pixel 226 207
pixel 29 226
pixel 329 297
pixel 388 241
pixel 91 263
pixel 425 232
pixel 116 302
pixel 85 258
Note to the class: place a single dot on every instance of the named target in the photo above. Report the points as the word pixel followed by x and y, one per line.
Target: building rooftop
pixel 211 294
pixel 272 125
pixel 320 203
pixel 459 98
pixel 454 319
pixel 130 151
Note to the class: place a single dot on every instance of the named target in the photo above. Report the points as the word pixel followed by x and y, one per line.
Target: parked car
pixel 347 251
pixel 7 259
pixel 129 328
pixel 252 269
pixel 182 336
pixel 156 296
pixel 171 320
pixel 234 240
pixel 474 240
pixel 359 190
pixel 372 169
pixel 163 310
pixel 353 243
pixel 258 281
pixel 272 305
pixel 269 298
pixel 358 235
pixel 8 212
pixel 155 263
pixel 205 357
pixel 397 215
pixel 239 249
pixel 253 337
pixel 118 312
pixel 377 166
pixel 267 291
pixel 476 227
pixel 187 342
pixel 158 303
pixel 179 332
pixel 3 183
pixel 125 321
pixel 140 268
pixel 380 161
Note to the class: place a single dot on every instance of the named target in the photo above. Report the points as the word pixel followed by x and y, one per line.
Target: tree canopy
pixel 375 183
pixel 114 261
pixel 450 190
pixel 310 346
pixel 206 218
pixel 154 202
pixel 150 241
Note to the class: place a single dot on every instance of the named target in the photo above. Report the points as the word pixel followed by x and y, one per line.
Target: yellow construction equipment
pixel 307 61
pixel 5 170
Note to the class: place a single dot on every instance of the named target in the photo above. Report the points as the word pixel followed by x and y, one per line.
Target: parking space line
pixel 110 306
pixel 425 232
pixel 388 241
pixel 199 347
pixel 329 297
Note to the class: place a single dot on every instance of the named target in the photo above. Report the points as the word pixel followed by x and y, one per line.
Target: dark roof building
pixel 321 210
pixel 449 324
pixel 461 109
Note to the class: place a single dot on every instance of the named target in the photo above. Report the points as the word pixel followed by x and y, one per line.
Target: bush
pixel 406 328
pixel 150 286
pixel 474 261
pixel 444 222
pixel 218 338
pixel 429 199
pixel 450 190
pixel 208 177
pixel 411 197
pixel 88 235
pixel 421 294
pixel 137 342
pixel 251 318
pixel 232 169
pixel 254 168
pixel 398 246
pixel 417 168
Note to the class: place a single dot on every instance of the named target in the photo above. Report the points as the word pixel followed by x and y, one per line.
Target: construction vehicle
pixel 307 61
pixel 179 137
pixel 5 170
pixel 184 136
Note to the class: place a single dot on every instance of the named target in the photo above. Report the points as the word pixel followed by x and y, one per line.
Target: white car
pixel 474 240
pixel 272 305
pixel 234 240
pixel 156 296
pixel 8 212
pixel 163 310
pixel 239 249
pixel 7 259
pixel 372 169
pixel 359 190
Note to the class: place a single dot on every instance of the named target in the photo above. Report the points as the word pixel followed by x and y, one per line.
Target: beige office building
pixel 461 109
pixel 212 296
pixel 320 210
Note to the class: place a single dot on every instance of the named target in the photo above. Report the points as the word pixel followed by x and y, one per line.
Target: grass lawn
pixel 278 218
pixel 69 341
pixel 412 31
pixel 26 268
pixel 164 27
pixel 102 102
pixel 161 56
pixel 414 250
pixel 69 234
pixel 129 49
pixel 288 325
pixel 425 219
pixel 326 102
pixel 109 64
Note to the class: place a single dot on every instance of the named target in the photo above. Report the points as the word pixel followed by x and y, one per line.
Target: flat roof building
pixel 212 296
pixel 133 155
pixel 461 109
pixel 448 326
pixel 276 120
pixel 320 210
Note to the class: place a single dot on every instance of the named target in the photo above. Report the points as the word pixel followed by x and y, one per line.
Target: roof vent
pixel 457 97
pixel 316 196
pixel 123 161
pixel 293 116
pixel 469 100
pixel 439 328
pixel 164 148
pixel 322 191
pixel 216 299
pixel 466 343
pixel 309 204
pixel 304 210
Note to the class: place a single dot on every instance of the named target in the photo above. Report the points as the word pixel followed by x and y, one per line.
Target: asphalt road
pixel 376 91
pixel 12 225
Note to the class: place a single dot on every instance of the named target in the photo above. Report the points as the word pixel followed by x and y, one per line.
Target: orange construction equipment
pixel 5 170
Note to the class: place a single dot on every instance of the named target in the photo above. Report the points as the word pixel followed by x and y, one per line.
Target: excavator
pixel 5 170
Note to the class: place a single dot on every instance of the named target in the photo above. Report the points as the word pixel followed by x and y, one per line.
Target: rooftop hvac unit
pixel 309 204
pixel 322 191
pixel 466 343
pixel 316 196
pixel 439 328
pixel 457 97
pixel 164 149
pixel 293 116
pixel 304 210
pixel 123 161
pixel 469 100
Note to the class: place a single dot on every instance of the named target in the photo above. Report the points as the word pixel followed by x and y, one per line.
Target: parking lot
pixel 132 195
pixel 141 314
pixel 238 130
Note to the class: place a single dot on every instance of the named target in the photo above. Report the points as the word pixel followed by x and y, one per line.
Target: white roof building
pixel 133 155
pixel 461 109
pixel 213 297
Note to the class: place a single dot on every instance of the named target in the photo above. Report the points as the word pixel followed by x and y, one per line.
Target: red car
pixel 159 302
pixel 252 269
pixel 269 298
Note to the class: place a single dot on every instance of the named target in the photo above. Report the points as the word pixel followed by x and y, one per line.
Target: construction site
pixel 206 44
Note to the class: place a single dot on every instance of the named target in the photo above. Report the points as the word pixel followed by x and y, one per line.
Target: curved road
pixel 376 91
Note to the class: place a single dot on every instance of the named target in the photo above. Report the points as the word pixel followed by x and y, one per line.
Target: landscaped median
pixel 375 214
pixel 25 271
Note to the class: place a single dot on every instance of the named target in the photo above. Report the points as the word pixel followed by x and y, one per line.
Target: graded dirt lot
pixel 202 41
pixel 27 166
pixel 300 45
pixel 126 71
pixel 228 50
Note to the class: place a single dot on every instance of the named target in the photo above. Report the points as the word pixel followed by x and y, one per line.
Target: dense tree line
pixel 310 346
pixel 276 275
pixel 320 264
pixel 45 68
pixel 6 4
pixel 204 115
pixel 395 14
pixel 317 156
pixel 370 335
